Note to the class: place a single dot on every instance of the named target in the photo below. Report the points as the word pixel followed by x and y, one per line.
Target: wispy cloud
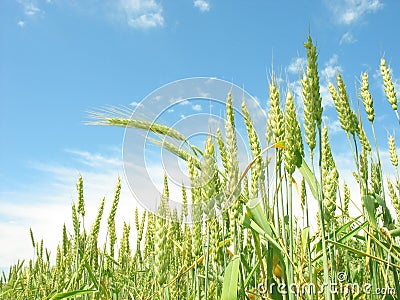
pixel 95 159
pixel 332 67
pixel 181 101
pixel 297 65
pixel 202 5
pixel 138 14
pixel 332 124
pixel 30 7
pixel 197 107
pixel 348 12
pixel 30 10
pixel 397 86
pixel 136 104
pixel 347 38
pixel 142 14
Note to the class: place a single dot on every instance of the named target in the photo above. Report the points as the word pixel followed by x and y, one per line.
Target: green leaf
pixel 258 215
pixel 353 233
pixel 365 254
pixel 387 216
pixel 308 176
pixel 276 293
pixel 231 277
pixel 395 232
pixel 71 294
pixel 344 227
pixel 256 219
pixel 369 204
pixel 251 273
pixel 305 239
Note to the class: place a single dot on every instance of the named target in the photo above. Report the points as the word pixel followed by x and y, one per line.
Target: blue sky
pixel 61 58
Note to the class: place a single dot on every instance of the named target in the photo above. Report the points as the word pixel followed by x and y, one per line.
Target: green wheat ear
pixel 111 218
pixel 363 138
pixel 311 96
pixel 347 198
pixel 292 135
pixel 81 202
pixel 348 119
pixel 367 98
pixel 122 117
pixel 275 115
pixel 255 148
pixel 395 199
pixel 393 152
pixel 388 84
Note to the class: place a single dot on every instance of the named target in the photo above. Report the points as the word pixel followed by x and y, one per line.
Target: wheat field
pixel 245 241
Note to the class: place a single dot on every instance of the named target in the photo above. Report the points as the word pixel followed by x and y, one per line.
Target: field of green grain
pixel 256 248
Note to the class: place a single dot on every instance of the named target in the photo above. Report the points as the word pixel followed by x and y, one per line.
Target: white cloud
pixel 202 5
pixel 297 93
pixel 397 86
pixel 30 8
pixel 183 102
pixel 21 23
pixel 203 94
pixel 332 67
pixel 396 82
pixel 142 14
pixel 257 112
pixel 95 160
pixel 197 107
pixel 347 38
pixel 332 124
pixel 147 20
pixel 350 11
pixel 297 65
pixel 139 14
pixel 136 104
pixel 326 95
pixel 24 208
pixel 178 100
